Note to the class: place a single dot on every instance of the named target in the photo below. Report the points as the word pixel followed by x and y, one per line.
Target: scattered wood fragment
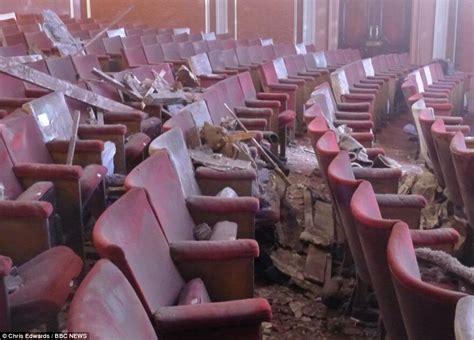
pixel 72 142
pixel 316 263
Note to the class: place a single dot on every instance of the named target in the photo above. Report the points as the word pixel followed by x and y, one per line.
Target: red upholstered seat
pixel 129 234
pixel 92 309
pixel 74 185
pixel 374 228
pixel 416 297
pixel 46 285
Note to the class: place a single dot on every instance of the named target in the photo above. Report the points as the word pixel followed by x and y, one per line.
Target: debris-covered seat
pixel 442 138
pixel 426 119
pixel 354 115
pixel 129 150
pixel 91 311
pixel 201 67
pixel 416 297
pixel 77 188
pixel 131 237
pixel 39 291
pixel 374 229
pixel 26 214
pixel 180 214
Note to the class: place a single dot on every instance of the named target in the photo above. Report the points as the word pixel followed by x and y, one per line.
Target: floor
pixel 300 313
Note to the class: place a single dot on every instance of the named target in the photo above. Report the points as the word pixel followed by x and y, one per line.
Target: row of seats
pixel 381 231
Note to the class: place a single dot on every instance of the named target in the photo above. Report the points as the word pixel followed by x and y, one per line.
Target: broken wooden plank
pixel 72 142
pixel 321 232
pixel 115 83
pixel 308 209
pixel 36 77
pixel 23 59
pixel 315 267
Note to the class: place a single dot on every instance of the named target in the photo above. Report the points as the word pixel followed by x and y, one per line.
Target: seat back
pixel 181 37
pixel 52 115
pixel 104 89
pixel 129 235
pixel 186 49
pixel 236 97
pixel 426 120
pixel 216 59
pixel 256 54
pixel 417 297
pixel 96 48
pixel 326 150
pixel 416 109
pixel 268 52
pixel 132 41
pixel 340 84
pixel 23 139
pixel 247 86
pixel 243 55
pixel 163 38
pixel 463 159
pixel 13 51
pixel 62 68
pixel 154 54
pixel 11 87
pixel 230 58
pixel 171 212
pixel 200 64
pixel 374 233
pixel 343 185
pixel 200 46
pixel 148 39
pixel 134 56
pixel 322 95
pixel 215 97
pixel 113 45
pixel 84 64
pixel 268 74
pixel 173 141
pixel 38 40
pixel 171 51
pixel 106 313
pixel 13 39
pixel 442 140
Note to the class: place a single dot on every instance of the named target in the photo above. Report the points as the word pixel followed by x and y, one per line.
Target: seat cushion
pixel 92 176
pixel 287 118
pixel 46 286
pixel 151 126
pixel 194 293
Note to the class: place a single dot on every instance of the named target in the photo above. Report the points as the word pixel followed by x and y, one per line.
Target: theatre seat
pixel 427 119
pixel 374 230
pixel 46 284
pixel 178 215
pixel 354 115
pixel 130 236
pixel 462 152
pixel 318 126
pixel 442 140
pixel 26 215
pixel 77 188
pixel 92 311
pixel 201 67
pixel 415 296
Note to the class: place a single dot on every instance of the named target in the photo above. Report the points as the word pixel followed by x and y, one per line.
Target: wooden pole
pixel 72 142
pixel 259 147
pixel 98 35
